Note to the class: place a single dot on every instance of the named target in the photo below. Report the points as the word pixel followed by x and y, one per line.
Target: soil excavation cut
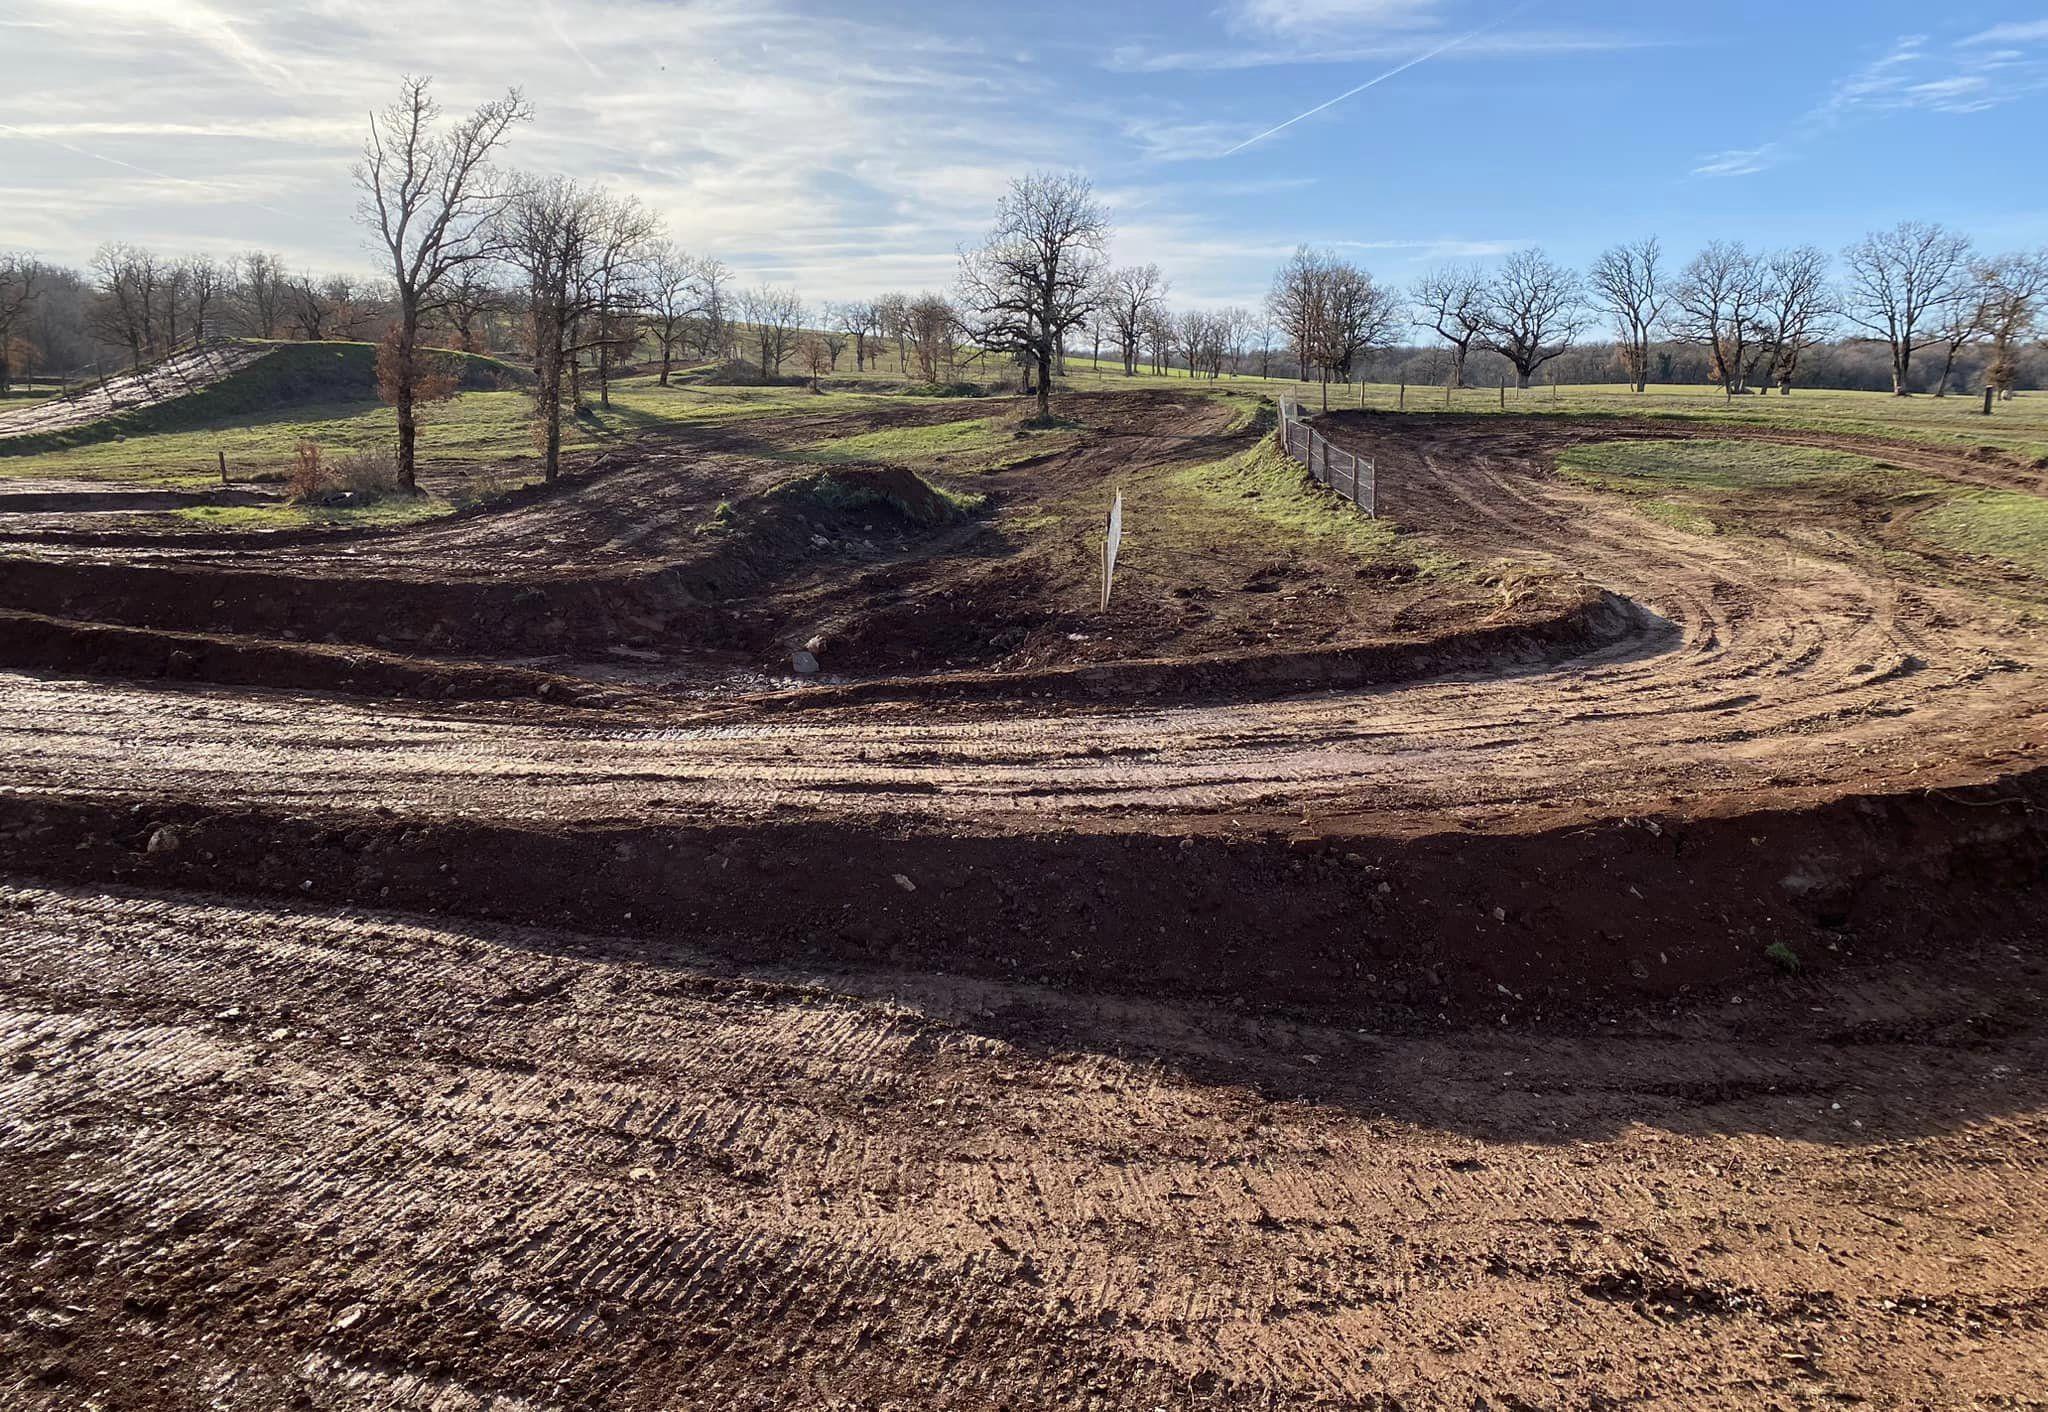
pixel 1560 936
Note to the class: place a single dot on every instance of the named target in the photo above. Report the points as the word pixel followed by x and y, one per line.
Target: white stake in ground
pixel 1110 544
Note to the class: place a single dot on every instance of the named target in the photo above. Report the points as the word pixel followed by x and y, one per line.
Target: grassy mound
pixel 290 375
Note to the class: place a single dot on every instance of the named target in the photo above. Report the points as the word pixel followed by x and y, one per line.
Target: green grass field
pixel 1704 486
pixel 2018 427
pixel 472 428
pixel 972 445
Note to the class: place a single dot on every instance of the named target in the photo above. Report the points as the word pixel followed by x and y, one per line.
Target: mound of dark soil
pixel 856 489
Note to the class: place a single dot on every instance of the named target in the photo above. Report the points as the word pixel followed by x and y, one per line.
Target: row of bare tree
pixel 1755 313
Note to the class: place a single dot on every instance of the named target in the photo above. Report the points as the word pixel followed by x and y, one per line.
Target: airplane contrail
pixel 1448 44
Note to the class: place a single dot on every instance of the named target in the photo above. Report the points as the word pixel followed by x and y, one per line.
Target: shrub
pixel 366 474
pixel 305 479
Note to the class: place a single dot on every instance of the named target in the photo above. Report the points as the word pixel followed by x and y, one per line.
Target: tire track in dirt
pixel 1772 669
pixel 255 1151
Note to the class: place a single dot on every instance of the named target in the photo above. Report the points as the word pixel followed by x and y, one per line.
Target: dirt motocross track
pixel 1307 985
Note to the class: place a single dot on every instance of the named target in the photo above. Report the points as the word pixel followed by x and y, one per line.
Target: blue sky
pixel 850 148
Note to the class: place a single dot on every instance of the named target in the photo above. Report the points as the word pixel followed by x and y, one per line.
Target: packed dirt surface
pixel 270 1157
pixel 1543 957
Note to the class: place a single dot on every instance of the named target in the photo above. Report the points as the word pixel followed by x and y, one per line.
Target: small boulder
pixel 804 662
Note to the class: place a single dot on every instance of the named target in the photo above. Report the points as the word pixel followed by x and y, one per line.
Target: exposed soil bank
pixel 495 603
pixel 100 649
pixel 1592 619
pixel 1522 924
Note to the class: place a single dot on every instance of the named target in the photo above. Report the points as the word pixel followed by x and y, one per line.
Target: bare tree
pixel 1132 297
pixel 263 294
pixel 1792 313
pixel 858 320
pixel 310 310
pixel 1332 313
pixel 1628 282
pixel 207 283
pixel 1534 310
pixel 20 275
pixel 1451 299
pixel 471 301
pixel 674 282
pixel 1716 303
pixel 569 241
pixel 714 329
pixel 1358 318
pixel 1191 332
pixel 931 322
pixel 892 321
pixel 431 198
pixel 814 357
pixel 124 298
pixel 1961 324
pixel 1902 283
pixel 1038 274
pixel 774 314
pixel 2015 294
pixel 619 302
pixel 1295 305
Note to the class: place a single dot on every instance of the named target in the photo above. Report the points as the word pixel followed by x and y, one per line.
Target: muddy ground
pixel 1541 958
pixel 269 1156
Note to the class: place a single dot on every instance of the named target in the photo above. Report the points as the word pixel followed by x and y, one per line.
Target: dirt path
pixel 266 1157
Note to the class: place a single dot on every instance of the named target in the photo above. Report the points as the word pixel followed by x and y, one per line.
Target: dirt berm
pixel 1525 925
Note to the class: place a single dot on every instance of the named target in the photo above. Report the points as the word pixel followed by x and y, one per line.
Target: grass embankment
pixel 290 376
pixel 473 428
pixel 971 446
pixel 1703 486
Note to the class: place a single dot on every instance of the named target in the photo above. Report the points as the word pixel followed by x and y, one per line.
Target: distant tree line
pixel 1911 309
pixel 584 283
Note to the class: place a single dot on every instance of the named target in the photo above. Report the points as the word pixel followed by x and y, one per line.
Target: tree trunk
pixel 1044 386
pixel 551 412
pixel 1521 379
pixel 1458 365
pixel 1947 367
pixel 408 443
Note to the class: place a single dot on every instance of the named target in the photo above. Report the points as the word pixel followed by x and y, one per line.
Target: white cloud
pixel 1738 161
pixel 1913 75
pixel 1499 44
pixel 2019 32
pixel 1320 17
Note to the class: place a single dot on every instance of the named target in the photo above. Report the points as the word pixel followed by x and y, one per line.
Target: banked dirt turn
pixel 1626 993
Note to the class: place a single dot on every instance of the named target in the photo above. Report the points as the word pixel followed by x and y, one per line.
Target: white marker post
pixel 1111 542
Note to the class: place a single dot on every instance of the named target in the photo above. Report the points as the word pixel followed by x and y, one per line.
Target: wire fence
pixel 1347 474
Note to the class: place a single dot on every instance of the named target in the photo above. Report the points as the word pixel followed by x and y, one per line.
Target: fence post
pixel 1404 394
pixel 1987 399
